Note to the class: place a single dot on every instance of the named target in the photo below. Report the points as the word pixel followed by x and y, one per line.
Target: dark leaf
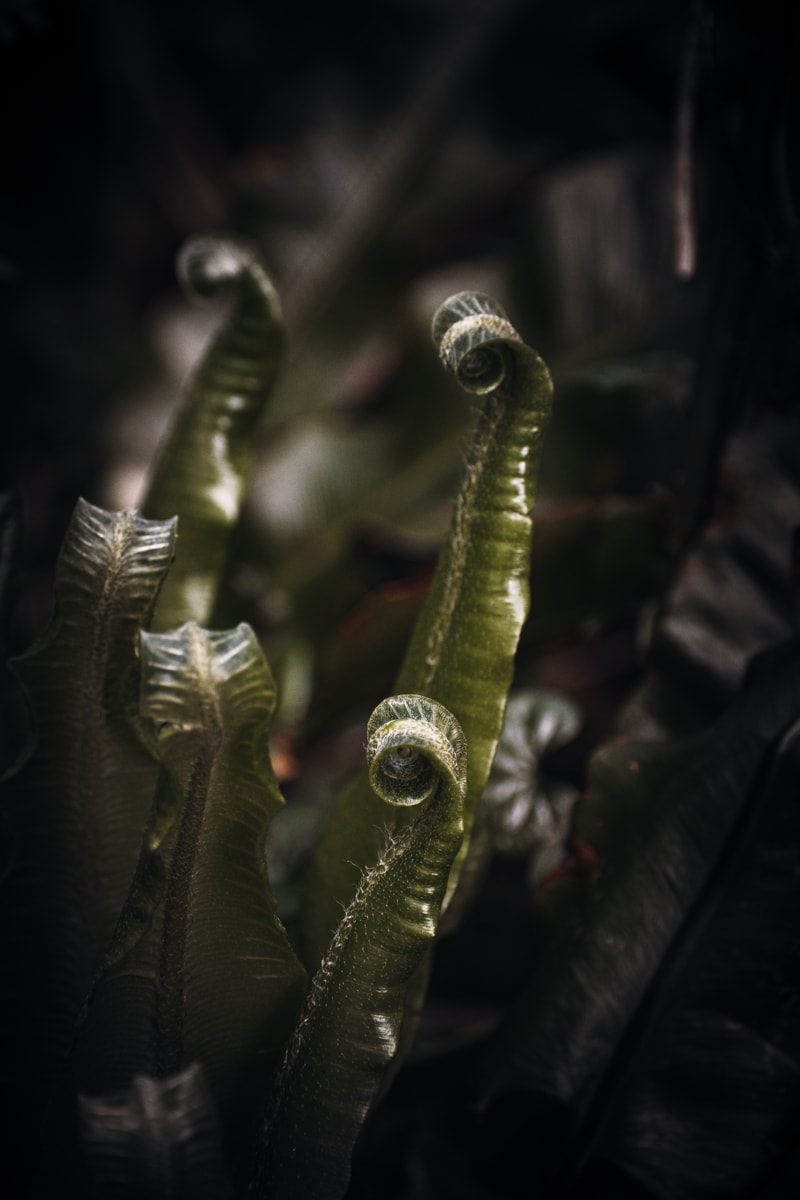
pixel 157 1140
pixel 734 594
pixel 201 473
pixel 521 812
pixel 78 800
pixel 660 1030
pixel 199 968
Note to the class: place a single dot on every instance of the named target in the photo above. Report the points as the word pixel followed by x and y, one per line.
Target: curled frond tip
pixel 414 744
pixel 471 332
pixel 210 263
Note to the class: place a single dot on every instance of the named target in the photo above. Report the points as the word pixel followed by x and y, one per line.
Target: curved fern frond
pixel 349 1030
pixel 203 468
pixel 463 647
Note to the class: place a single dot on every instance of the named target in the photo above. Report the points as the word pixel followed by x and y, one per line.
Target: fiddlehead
pixel 469 330
pixel 463 646
pixel 411 742
pixel 203 468
pixel 348 1031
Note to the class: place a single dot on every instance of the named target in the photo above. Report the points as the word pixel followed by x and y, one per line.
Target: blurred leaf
pixel 594 560
pixel 601 260
pixel 734 594
pixel 386 460
pixel 362 655
pixel 620 427
pixel 156 1139
pixel 648 1035
pixel 201 473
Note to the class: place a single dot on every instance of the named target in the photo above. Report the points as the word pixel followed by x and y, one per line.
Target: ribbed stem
pixel 349 1029
pixel 463 647
pixel 203 469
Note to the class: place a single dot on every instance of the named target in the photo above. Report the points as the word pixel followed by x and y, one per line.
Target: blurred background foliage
pixel 381 161
pixel 622 175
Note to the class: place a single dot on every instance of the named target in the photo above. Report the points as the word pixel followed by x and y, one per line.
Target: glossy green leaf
pixel 619 544
pixel 199 968
pixel 660 1032
pixel 159 1139
pixel 203 468
pixel 462 650
pixel 76 804
pixel 349 1029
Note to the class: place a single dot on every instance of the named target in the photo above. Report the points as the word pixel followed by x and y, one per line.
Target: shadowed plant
pixel 168 956
pixel 165 1037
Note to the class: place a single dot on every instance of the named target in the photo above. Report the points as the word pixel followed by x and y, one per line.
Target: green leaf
pixel 203 467
pixel 200 968
pixel 463 647
pixel 348 1032
pixel 78 800
pixel 659 1032
pixel 158 1138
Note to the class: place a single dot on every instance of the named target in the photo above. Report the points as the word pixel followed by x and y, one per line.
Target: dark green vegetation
pixel 610 1006
pixel 162 1033
pixel 140 808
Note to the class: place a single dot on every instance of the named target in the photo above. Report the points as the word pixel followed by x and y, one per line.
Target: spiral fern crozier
pixel 347 1033
pixel 463 647
pixel 203 468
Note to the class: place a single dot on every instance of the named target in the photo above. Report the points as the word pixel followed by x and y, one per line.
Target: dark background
pixel 391 139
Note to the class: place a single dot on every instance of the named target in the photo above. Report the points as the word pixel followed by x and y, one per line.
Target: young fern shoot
pixel 463 647
pixel 348 1031
pixel 202 471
